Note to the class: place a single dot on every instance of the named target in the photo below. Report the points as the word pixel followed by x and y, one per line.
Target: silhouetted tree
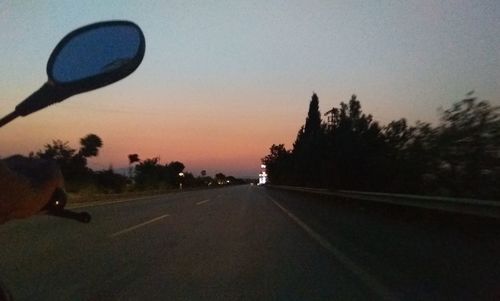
pixel 58 150
pixel 459 157
pixel 309 148
pixel 176 167
pixel 469 146
pixel 133 158
pixel 313 121
pixel 396 135
pixel 148 174
pixel 151 174
pixel 355 148
pixel 220 178
pixel 279 164
pixel 90 145
pixel 73 164
pixel 109 181
pixel 172 173
pixel 418 161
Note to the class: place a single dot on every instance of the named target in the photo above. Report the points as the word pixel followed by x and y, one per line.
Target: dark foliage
pixel 90 145
pixel 73 163
pixel 458 157
pixel 143 175
pixel 109 181
pixel 133 158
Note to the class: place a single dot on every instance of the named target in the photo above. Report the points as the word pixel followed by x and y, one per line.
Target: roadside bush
pixel 108 181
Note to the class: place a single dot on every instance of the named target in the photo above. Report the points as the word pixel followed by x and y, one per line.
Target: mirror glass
pixel 96 51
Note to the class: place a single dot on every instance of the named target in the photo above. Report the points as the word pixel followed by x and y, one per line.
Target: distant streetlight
pixel 181 175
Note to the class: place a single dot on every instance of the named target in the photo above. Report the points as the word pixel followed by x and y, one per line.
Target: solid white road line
pixel 364 276
pixel 203 202
pixel 138 226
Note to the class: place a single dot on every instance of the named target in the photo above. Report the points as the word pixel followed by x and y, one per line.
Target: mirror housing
pixel 96 55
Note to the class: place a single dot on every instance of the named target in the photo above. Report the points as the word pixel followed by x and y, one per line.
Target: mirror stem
pixel 45 96
pixel 8 118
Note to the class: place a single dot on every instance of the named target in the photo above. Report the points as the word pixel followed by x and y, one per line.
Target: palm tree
pixel 90 145
pixel 132 158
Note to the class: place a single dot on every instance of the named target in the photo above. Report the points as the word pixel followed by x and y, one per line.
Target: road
pixel 251 243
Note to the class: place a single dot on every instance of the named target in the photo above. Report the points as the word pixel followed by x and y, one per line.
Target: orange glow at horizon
pixel 203 133
pixel 217 128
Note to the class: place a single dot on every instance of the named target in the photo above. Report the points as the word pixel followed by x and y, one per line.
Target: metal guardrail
pixel 455 205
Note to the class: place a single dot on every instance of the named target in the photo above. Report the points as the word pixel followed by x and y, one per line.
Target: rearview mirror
pixel 97 53
pixel 87 58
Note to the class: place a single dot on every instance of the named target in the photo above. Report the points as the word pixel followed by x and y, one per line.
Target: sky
pixel 222 81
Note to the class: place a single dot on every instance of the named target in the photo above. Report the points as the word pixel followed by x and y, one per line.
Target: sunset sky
pixel 223 80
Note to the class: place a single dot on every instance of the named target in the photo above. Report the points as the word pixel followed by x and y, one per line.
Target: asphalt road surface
pixel 251 243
